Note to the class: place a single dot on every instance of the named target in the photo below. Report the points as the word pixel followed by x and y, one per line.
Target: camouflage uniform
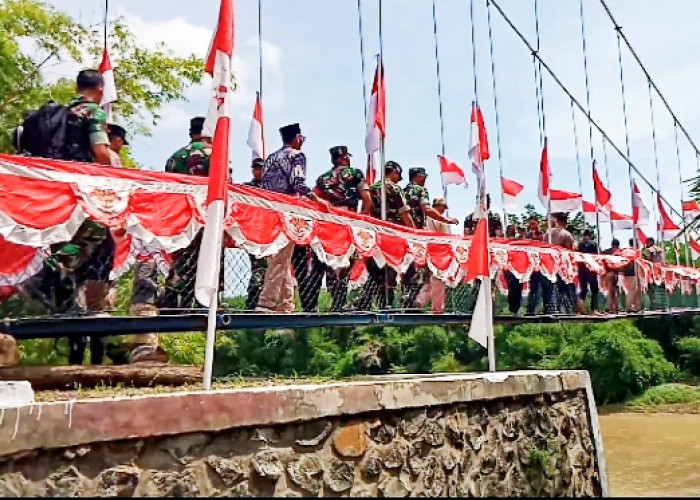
pixel 341 187
pixel 658 299
pixel 396 203
pixel 88 257
pixel 415 278
pixel 381 283
pixel 193 159
pixel 257 268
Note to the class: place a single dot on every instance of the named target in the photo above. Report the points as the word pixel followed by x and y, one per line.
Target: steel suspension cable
pixel 439 93
pixel 566 91
pixel 539 71
pixel 495 106
pixel 582 17
pixel 648 76
pixel 656 154
pixel 362 59
pixel 260 70
pixel 680 181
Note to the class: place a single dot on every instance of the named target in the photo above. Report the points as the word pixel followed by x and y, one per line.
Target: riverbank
pixel 673 398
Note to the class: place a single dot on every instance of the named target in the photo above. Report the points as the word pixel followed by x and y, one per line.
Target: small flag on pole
pixel 451 172
pixel 511 191
pixel 545 177
pixel 602 194
pixel 640 213
pixel 376 122
pixel 256 141
pixel 691 210
pixel 109 93
pixel 481 327
pixel 667 228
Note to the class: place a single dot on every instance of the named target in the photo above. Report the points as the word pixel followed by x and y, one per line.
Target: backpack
pixel 43 132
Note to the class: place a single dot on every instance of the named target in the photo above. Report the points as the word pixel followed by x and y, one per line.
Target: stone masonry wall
pixel 529 445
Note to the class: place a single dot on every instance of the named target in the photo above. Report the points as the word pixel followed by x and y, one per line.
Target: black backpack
pixel 44 132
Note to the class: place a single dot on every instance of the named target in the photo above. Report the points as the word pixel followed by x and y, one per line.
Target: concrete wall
pixel 521 433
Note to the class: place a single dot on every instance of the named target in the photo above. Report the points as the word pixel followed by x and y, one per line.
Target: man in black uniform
pixel 587 279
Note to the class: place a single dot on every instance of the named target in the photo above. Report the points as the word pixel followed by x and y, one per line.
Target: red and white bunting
pixel 256 140
pixel 217 125
pixel 511 191
pixel 109 93
pixel 376 122
pixel 451 173
pixel 666 227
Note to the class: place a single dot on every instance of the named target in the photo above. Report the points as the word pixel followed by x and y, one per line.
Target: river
pixel 652 455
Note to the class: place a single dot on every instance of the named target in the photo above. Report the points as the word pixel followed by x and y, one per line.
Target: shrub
pixel 690 354
pixel 668 394
pixel 621 362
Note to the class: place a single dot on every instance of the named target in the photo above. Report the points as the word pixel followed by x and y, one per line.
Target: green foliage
pixel 621 362
pixel 184 348
pixel 690 354
pixel 146 79
pixel 43 352
pixel 668 394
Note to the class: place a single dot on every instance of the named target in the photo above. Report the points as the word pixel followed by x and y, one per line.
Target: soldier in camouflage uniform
pixel 342 186
pixel 88 257
pixel 192 159
pixel 418 201
pixel 381 283
pixel 257 266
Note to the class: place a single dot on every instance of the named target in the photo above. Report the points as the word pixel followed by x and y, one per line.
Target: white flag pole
pixel 491 349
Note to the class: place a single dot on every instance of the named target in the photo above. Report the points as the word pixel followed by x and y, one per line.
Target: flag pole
pixel 439 94
pixel 105 22
pixel 381 84
pixel 260 75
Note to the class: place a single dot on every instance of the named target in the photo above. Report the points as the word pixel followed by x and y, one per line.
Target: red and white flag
pixel 545 177
pixel 691 210
pixel 256 140
pixel 564 201
pixel 511 191
pixel 479 144
pixel 109 93
pixel 376 122
pixel 640 213
pixel 481 327
pixel 217 124
pixel 451 172
pixel 667 228
pixel 641 238
pixel 694 248
pixel 602 194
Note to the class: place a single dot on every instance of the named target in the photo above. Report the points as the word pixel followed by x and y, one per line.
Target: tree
pixel 35 35
pixel 576 225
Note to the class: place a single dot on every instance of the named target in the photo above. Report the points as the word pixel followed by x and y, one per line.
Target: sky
pixel 312 74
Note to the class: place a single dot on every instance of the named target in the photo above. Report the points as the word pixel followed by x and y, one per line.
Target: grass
pixel 665 398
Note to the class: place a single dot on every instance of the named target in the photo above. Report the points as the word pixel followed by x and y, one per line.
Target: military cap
pixel 257 163
pixel 196 125
pixel 118 131
pixel 413 171
pixel 440 201
pixel 289 132
pixel 339 151
pixel 390 166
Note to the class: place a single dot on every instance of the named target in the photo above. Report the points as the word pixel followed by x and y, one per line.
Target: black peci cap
pixel 289 132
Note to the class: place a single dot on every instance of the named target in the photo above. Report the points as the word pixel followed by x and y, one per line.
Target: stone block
pixel 14 394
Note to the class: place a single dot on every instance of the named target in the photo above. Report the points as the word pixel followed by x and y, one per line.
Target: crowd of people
pixel 75 279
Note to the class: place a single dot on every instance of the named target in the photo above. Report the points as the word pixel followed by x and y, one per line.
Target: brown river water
pixel 652 455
